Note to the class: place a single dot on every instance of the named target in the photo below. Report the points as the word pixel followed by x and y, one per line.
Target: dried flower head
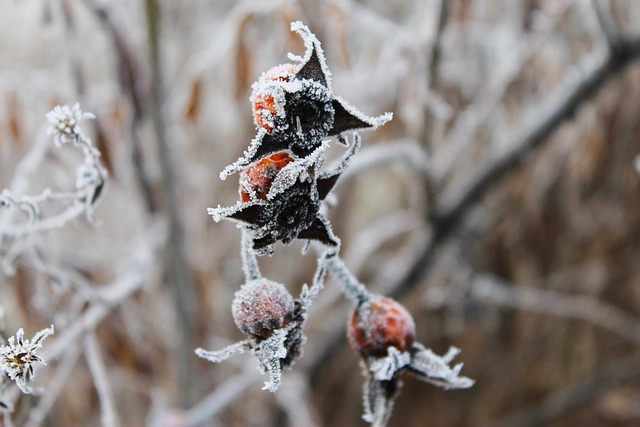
pixel 19 355
pixel 262 306
pixel 64 123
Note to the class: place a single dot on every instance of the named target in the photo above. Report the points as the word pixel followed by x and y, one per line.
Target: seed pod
pixel 378 324
pixel 256 180
pixel 262 306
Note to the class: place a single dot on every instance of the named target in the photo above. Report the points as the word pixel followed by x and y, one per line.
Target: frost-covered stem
pixel 65 369
pixel 352 288
pixel 249 260
pixel 28 165
pixel 223 395
pixel 108 417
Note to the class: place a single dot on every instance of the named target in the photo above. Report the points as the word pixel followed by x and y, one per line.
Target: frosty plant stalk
pixel 282 185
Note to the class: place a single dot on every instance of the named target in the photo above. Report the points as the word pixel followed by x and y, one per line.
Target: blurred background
pixel 501 206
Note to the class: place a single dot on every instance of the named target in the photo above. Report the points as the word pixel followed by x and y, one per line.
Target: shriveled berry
pixel 256 180
pixel 267 98
pixel 262 306
pixel 378 324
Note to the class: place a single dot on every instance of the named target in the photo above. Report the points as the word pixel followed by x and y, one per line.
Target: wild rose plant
pixel 282 186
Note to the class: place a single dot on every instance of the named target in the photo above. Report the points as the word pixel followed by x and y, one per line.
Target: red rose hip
pixel 378 324
pixel 262 306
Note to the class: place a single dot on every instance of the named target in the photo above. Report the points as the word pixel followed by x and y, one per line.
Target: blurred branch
pixel 511 67
pixel 223 394
pixel 535 129
pixel 108 417
pixel 131 80
pixel 613 375
pixel 64 371
pixel 181 281
pixel 492 290
pixel 434 54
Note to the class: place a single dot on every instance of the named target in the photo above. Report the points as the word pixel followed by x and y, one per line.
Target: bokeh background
pixel 501 206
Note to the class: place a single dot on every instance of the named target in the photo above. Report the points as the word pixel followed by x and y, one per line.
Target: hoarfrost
pixel 297 169
pixel 312 45
pixel 384 369
pixel 373 122
pixel 224 354
pixel 435 369
pixel 18 357
pixel 269 353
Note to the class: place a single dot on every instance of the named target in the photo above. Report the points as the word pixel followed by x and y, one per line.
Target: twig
pixel 224 394
pixel 436 45
pixel 108 417
pixel 59 379
pixel 181 281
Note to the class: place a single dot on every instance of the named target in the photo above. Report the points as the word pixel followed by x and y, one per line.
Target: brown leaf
pixel 195 101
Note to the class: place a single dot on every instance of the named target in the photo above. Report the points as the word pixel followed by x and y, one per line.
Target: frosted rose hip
pixel 267 98
pixel 262 306
pixel 257 178
pixel 378 324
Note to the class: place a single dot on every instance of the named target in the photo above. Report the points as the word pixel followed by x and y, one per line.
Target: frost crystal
pixel 19 355
pixel 64 123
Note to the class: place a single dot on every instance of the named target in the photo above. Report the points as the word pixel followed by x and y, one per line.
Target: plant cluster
pixel 282 185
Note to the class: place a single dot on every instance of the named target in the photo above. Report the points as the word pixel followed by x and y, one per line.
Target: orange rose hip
pixel 257 178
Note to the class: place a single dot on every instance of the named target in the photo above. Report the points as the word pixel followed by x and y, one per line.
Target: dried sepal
pixel 378 398
pixel 434 369
pixel 18 357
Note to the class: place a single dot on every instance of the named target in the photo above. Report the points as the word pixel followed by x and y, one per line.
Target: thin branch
pixel 436 45
pixel 490 289
pixel 108 416
pixel 181 281
pixel 63 372
pixel 223 395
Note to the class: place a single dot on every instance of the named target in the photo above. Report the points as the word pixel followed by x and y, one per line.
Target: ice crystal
pixel 64 123
pixel 18 357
